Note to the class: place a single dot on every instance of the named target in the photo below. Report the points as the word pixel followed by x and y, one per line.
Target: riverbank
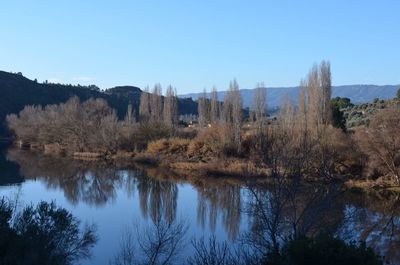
pixel 372 186
pixel 217 203
pixel 195 160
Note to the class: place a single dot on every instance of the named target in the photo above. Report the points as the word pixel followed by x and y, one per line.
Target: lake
pixel 121 198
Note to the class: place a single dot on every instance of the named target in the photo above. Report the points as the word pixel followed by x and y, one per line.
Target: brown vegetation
pixel 301 143
pixel 91 126
pixel 381 143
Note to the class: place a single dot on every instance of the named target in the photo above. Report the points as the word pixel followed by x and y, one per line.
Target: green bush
pixel 44 234
pixel 325 250
pixel 341 102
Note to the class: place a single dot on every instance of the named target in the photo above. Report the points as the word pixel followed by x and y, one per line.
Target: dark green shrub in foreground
pixel 44 234
pixel 324 250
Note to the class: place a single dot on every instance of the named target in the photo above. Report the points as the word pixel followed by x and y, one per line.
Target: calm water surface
pixel 119 198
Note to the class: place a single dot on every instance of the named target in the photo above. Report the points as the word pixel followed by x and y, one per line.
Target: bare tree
pixel 260 104
pixel 381 142
pixel 260 115
pixel 319 92
pixel 159 243
pixel 74 126
pixel 27 125
pixel 130 115
pixel 213 253
pixel 144 108
pixel 203 110
pixel 326 87
pixel 287 114
pixel 126 254
pixel 301 115
pixel 214 107
pixel 314 102
pixel 232 114
pixel 252 115
pixel 170 111
pixel 156 104
pixel 109 130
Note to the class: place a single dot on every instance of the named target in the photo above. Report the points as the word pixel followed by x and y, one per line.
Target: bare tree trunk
pixel 232 112
pixel 156 104
pixel 214 108
pixel 286 114
pixel 170 108
pixel 260 106
pixel 203 110
pixel 318 89
pixel 144 108
pixel 326 87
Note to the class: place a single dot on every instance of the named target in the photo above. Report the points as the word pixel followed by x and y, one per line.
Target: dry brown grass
pixel 219 167
pixel 168 146
pixel 124 154
pixel 382 183
pixel 53 148
pixel 207 143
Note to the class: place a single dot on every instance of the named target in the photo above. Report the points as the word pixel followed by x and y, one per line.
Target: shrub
pixel 381 142
pixel 207 142
pixel 325 250
pixel 168 146
pixel 200 148
pixel 44 234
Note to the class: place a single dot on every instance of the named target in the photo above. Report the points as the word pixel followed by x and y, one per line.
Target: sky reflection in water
pixel 117 198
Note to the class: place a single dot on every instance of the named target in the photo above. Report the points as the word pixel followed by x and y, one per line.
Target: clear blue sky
pixel 196 44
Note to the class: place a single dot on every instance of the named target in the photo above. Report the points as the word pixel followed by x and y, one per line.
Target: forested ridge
pixel 18 91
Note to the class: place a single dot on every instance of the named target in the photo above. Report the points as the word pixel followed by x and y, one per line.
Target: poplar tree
pixel 156 104
pixel 260 105
pixel 232 115
pixel 170 111
pixel 144 107
pixel 214 107
pixel 203 110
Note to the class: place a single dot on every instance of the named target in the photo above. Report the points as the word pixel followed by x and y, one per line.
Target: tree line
pixel 311 134
pixel 309 138
pixel 93 126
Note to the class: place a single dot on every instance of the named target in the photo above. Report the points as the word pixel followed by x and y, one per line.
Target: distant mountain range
pixel 356 93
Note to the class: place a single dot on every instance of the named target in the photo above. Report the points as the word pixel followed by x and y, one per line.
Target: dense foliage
pixel 341 103
pixel 44 234
pixel 325 250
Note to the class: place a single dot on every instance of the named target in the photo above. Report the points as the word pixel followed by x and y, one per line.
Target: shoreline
pixel 239 171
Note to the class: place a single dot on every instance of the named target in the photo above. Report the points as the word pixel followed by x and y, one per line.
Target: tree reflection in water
pixel 277 211
pixel 161 242
pixel 285 210
pixel 220 199
pixel 158 198
pixel 375 219
pixel 84 181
